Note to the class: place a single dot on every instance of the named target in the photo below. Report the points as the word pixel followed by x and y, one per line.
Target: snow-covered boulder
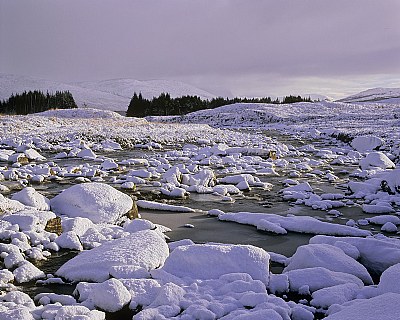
pixel 145 249
pixel 109 296
pixel 376 160
pixel 318 278
pixel 30 197
pixel 385 306
pixel 9 206
pixel 376 254
pixel 366 143
pixel 210 261
pixel 390 281
pixel 329 257
pixel 98 202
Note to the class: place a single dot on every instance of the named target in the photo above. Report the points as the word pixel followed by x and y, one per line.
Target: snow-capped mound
pixel 112 95
pixel 388 95
pixel 80 113
pixel 148 88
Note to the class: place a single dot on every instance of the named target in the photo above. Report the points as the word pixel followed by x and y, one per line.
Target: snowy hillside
pixel 387 95
pixel 111 95
pixel 149 88
pixel 307 118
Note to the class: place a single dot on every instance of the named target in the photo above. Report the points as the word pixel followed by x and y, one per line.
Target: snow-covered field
pixel 67 181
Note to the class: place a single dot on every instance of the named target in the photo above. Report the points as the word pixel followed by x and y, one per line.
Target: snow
pixel 376 254
pixel 389 281
pixel 206 165
pixel 324 298
pixel 318 278
pixel 376 160
pixel 302 224
pixel 374 95
pixel 329 257
pixel 106 94
pixel 152 205
pixel 144 249
pixel 210 261
pixel 30 197
pixel 385 306
pixel 98 202
pixel 366 143
pixel 109 296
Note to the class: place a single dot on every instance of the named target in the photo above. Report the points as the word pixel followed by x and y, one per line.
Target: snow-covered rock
pixel 385 306
pixel 144 249
pixel 98 202
pixel 30 197
pixel 366 143
pixel 210 261
pixel 109 296
pixel 376 160
pixel 329 257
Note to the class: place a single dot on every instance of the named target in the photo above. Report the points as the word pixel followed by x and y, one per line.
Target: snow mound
pixel 80 113
pixel 366 143
pixel 144 249
pixel 30 197
pixel 210 261
pixel 109 296
pixel 376 160
pixel 390 281
pixel 98 202
pixel 385 306
pixel 329 257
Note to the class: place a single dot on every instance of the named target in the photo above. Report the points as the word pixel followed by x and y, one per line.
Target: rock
pixel 98 202
pixel 54 226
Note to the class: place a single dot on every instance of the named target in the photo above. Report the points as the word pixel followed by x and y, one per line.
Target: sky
pixel 228 47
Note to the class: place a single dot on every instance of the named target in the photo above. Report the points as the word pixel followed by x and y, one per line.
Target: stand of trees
pixel 37 101
pixel 164 105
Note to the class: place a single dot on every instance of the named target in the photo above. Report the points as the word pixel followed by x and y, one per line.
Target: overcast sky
pixel 245 47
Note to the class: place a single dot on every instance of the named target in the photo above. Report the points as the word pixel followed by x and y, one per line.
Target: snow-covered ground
pixel 66 177
pixel 111 95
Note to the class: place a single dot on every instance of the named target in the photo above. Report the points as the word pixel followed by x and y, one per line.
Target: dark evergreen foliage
pixel 37 101
pixel 164 105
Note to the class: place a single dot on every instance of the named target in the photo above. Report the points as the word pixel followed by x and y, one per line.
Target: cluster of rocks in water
pixel 127 263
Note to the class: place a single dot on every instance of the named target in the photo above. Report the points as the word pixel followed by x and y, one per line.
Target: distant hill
pixel 111 95
pixel 387 95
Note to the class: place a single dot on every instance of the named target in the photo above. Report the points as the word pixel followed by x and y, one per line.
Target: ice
pixel 144 249
pixel 69 240
pixel 389 227
pixel 98 202
pixel 210 261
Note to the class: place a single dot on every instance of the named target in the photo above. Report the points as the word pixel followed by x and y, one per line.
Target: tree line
pixel 164 105
pixel 37 101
